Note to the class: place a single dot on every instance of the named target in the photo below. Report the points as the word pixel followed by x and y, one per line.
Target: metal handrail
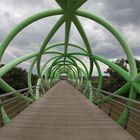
pixel 105 98
pixel 13 98
pixel 102 92
pixel 17 91
pixel 12 105
pixel 117 96
pixel 114 95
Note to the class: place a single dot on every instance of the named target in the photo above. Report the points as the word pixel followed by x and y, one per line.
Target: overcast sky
pixel 123 14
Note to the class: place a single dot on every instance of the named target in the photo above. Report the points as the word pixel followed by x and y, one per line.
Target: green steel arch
pixel 68 62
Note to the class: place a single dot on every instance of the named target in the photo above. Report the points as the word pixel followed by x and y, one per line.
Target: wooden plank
pixel 63 114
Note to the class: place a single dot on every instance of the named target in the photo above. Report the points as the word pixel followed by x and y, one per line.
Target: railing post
pixel 4 115
pixel 27 96
pixel 126 126
pixel 91 96
pixel 110 109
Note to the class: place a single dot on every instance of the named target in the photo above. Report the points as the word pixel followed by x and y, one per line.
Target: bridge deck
pixel 63 114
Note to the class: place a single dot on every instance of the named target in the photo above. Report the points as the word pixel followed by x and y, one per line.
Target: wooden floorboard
pixel 63 114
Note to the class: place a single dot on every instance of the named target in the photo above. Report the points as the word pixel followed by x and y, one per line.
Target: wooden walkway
pixel 63 114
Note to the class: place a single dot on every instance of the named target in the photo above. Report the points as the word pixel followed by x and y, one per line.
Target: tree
pixel 17 78
pixel 115 81
pixel 137 64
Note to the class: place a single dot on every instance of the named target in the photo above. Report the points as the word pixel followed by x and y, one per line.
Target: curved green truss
pixel 68 62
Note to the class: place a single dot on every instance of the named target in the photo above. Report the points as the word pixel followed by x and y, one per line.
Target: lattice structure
pixel 66 62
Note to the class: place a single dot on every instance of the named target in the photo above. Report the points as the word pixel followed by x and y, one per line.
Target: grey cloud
pixel 120 13
pixel 109 51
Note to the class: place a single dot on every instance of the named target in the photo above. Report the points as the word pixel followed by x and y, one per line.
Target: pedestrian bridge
pixel 63 113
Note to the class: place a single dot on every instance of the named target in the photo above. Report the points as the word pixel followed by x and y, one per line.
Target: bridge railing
pixel 13 103
pixel 114 106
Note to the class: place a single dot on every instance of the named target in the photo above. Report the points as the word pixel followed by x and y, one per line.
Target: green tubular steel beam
pixel 8 88
pixel 61 70
pixel 24 24
pixel 15 62
pixel 67 61
pixel 70 78
pixel 46 41
pixel 124 89
pixel 137 78
pixel 44 68
pixel 62 3
pixel 100 79
pixel 137 86
pixel 5 118
pixel 117 35
pixel 98 69
pixel 53 64
pixel 72 45
pixel 136 82
pixel 70 64
pixel 68 12
pixel 9 66
pixel 123 43
pixel 118 69
pixel 85 39
pixel 69 72
pixel 55 45
pixel 71 58
pixel 56 58
pixel 39 80
pixel 121 91
pixel 123 117
pixel 30 78
pixel 78 68
pixel 86 70
pixel 82 71
pixel 79 3
pixel 62 43
pixel 74 73
pixel 47 62
pixel 75 65
pixel 78 47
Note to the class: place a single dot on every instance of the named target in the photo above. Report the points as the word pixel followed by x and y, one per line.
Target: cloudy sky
pixel 124 15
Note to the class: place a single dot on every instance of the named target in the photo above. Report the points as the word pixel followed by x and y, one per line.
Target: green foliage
pixel 17 78
pixel 137 64
pixel 115 81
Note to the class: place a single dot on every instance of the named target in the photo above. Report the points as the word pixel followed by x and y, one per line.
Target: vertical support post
pixel 90 91
pixel 124 116
pixel 4 115
pixel 110 109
